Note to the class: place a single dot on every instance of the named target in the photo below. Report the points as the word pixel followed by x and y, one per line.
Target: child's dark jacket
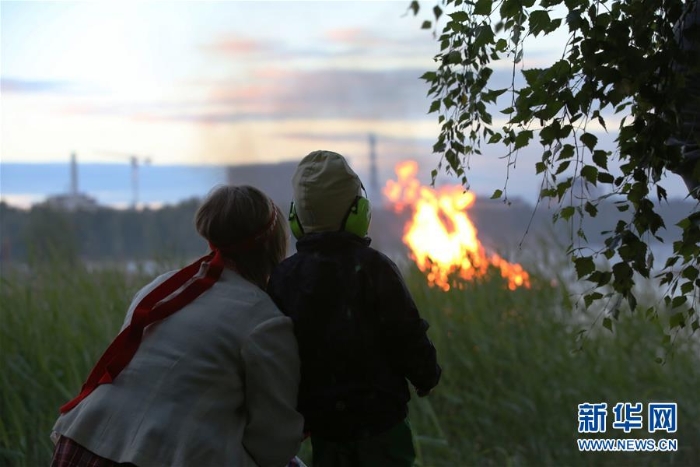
pixel 360 336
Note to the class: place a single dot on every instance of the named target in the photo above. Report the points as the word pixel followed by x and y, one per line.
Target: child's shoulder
pixel 376 255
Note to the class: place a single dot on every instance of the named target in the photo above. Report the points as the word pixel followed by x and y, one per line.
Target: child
pixel 359 333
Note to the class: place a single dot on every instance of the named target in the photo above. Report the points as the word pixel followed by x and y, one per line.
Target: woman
pixel 213 380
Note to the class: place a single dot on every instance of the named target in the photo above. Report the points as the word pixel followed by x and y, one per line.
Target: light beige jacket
pixel 215 384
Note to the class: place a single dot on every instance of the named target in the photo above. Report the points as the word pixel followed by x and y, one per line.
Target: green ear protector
pixel 356 220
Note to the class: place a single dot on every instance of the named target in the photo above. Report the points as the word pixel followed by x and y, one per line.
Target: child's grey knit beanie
pixel 324 189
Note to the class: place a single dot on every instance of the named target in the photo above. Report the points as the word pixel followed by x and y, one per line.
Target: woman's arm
pixel 271 359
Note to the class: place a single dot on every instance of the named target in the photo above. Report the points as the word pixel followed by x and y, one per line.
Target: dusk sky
pixel 225 83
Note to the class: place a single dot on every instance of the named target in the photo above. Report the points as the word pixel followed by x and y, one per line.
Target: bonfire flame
pixel 441 237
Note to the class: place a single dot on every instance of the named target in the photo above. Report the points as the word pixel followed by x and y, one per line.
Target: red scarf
pixel 152 308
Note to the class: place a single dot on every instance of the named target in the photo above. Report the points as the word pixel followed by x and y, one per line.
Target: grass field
pixel 514 370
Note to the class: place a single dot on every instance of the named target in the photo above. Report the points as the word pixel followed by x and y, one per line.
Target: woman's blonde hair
pixel 247 227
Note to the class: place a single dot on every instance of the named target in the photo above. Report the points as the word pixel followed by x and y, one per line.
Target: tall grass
pixel 513 372
pixel 55 322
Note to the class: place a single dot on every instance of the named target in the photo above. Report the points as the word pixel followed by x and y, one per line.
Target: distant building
pixel 73 200
pixel 275 180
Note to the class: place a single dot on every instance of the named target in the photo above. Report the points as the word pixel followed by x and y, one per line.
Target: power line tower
pixel 73 174
pixel 373 177
pixel 135 161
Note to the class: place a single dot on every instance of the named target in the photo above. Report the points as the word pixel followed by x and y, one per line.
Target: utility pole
pixel 134 180
pixel 73 174
pixel 373 178
pixel 135 160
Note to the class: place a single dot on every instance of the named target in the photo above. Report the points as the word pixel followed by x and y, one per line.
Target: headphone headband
pixel 356 220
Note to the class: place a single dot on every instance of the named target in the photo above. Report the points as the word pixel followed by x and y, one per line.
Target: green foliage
pixel 51 235
pixel 102 234
pixel 619 60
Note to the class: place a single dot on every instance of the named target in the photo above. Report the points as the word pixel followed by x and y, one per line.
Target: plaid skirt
pixel 68 453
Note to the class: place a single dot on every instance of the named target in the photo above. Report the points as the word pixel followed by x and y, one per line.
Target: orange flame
pixel 440 235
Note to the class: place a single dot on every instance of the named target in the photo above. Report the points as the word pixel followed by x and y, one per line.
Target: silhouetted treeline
pixel 102 234
pixel 168 233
